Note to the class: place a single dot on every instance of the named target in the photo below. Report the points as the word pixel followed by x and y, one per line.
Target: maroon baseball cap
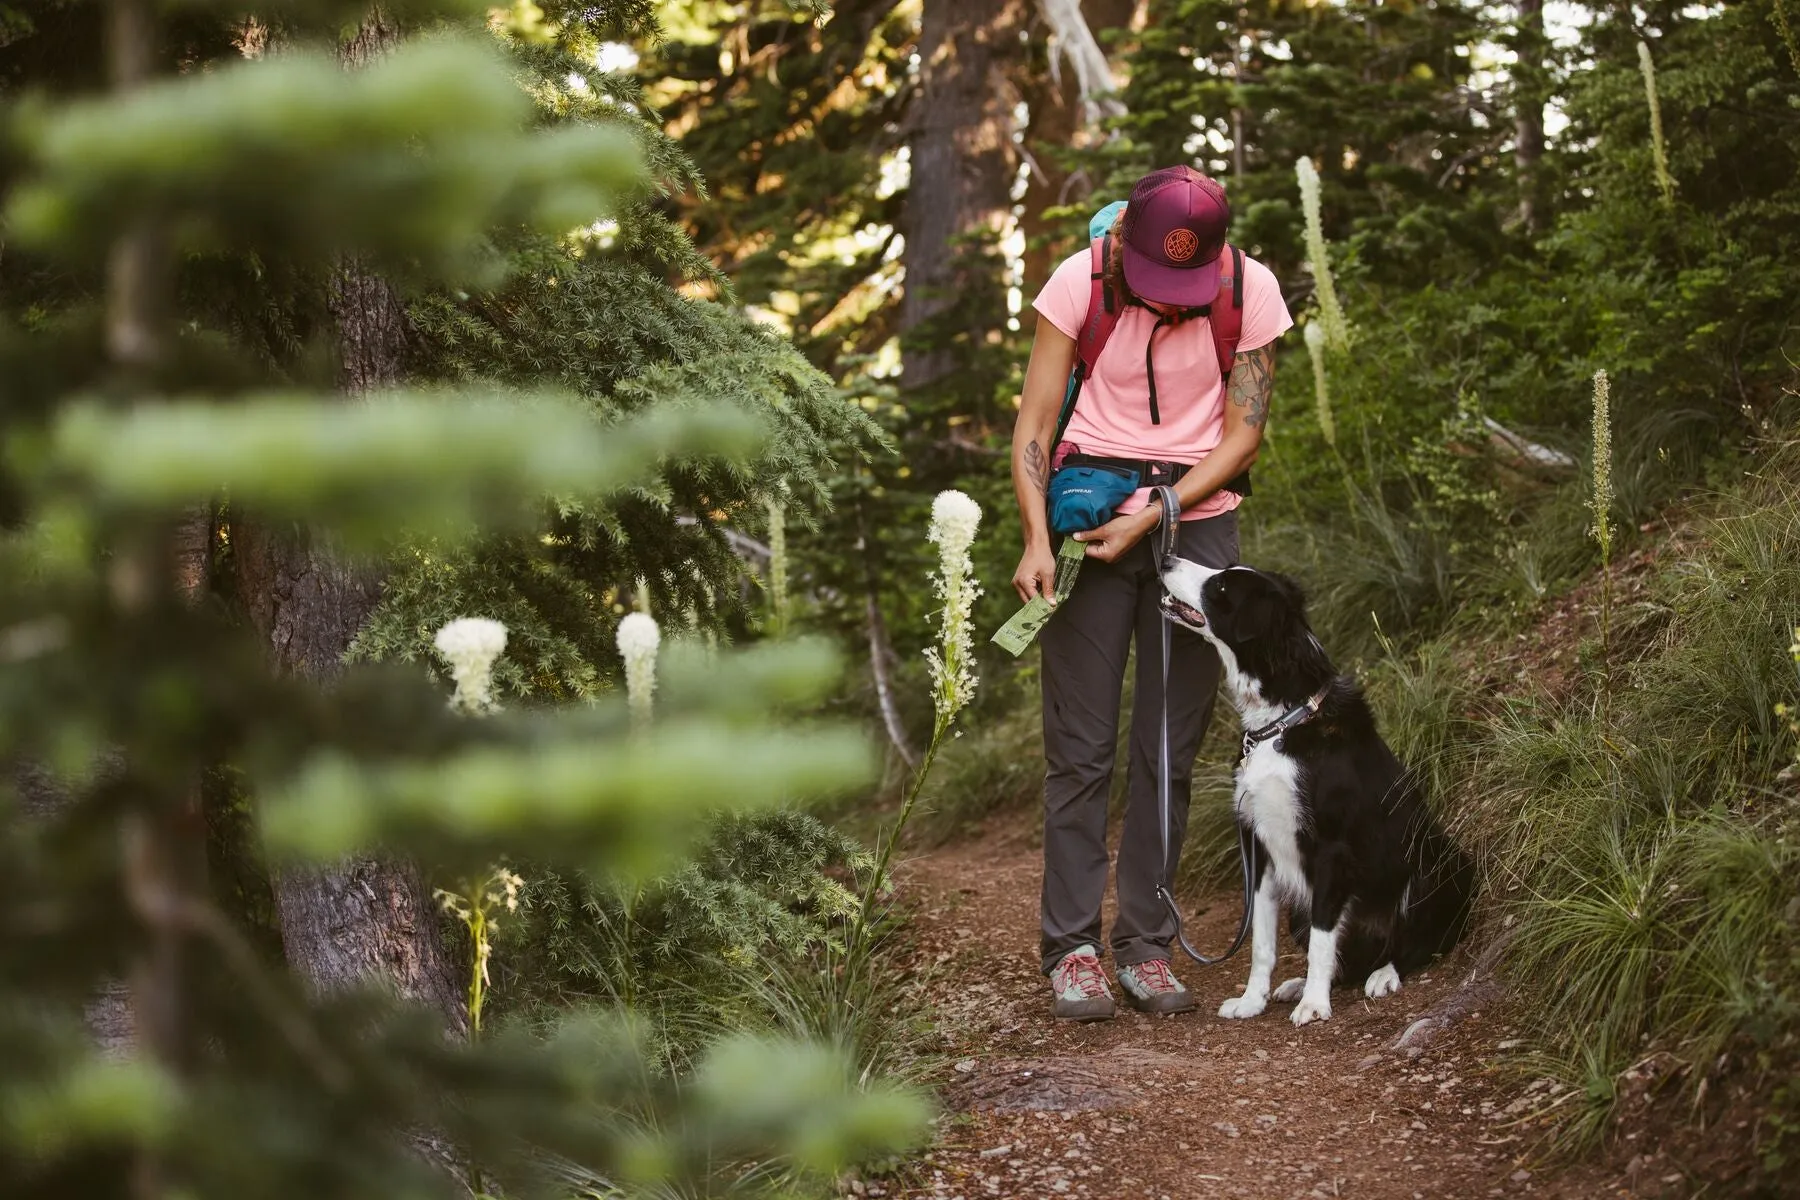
pixel 1174 232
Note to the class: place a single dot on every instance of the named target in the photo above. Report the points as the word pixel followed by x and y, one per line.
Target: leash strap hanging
pixel 1166 546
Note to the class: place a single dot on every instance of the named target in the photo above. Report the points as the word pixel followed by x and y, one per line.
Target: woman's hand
pixel 1110 542
pixel 1036 575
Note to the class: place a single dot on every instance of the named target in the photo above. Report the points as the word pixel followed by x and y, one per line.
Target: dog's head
pixel 1236 606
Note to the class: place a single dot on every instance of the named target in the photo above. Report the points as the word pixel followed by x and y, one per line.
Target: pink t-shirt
pixel 1112 417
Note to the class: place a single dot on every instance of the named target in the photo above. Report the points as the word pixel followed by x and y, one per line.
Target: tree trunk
pixel 1063 110
pixel 1054 108
pixel 161 843
pixel 108 1012
pixel 364 918
pixel 1237 110
pixel 1076 45
pixel 962 168
pixel 1528 115
pixel 881 651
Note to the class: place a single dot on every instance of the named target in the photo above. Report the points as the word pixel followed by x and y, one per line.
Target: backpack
pixel 1225 317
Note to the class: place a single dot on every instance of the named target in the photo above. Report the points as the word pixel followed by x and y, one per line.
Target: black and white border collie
pixel 1342 831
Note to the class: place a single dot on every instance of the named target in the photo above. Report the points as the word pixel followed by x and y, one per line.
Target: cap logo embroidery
pixel 1180 245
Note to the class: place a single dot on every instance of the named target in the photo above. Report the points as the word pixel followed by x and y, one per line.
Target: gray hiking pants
pixel 1085 647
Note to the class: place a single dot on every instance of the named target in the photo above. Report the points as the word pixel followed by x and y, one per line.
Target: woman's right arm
pixel 1046 379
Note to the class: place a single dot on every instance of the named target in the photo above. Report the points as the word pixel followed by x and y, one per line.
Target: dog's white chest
pixel 1268 798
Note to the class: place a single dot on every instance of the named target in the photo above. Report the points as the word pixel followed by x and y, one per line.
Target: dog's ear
pixel 1293 596
pixel 1278 605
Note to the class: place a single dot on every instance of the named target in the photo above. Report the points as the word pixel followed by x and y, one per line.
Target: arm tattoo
pixel 1252 376
pixel 1035 467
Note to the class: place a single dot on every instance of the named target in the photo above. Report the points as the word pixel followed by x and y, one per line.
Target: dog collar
pixel 1294 716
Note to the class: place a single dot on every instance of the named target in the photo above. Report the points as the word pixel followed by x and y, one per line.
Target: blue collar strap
pixel 1295 716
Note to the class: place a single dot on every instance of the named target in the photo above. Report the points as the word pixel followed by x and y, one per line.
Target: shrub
pixel 1645 861
pixel 684 951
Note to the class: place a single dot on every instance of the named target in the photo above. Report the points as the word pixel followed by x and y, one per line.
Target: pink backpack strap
pixel 1227 321
pixel 1227 316
pixel 1096 327
pixel 1103 307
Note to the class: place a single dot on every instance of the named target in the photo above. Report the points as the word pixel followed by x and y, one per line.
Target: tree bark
pixel 108 1011
pixel 962 166
pixel 1061 115
pixel 161 842
pixel 881 651
pixel 1075 44
pixel 1528 114
pixel 1237 110
pixel 366 918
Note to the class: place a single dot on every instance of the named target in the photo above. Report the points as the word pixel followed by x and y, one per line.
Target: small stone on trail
pixel 1520 1176
pixel 966 1065
pixel 997 1151
pixel 1371 1061
pixel 1226 1128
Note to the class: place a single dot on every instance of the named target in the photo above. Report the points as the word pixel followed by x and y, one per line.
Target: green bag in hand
pixel 1018 633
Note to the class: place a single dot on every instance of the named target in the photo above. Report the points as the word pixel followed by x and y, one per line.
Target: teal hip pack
pixel 1087 489
pixel 1084 497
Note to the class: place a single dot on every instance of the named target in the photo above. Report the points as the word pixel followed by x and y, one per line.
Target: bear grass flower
pixel 476 906
pixel 1659 155
pixel 954 521
pixel 1602 529
pixel 1331 313
pixel 955 518
pixel 639 638
pixel 1315 349
pixel 1791 713
pixel 471 645
pixel 1603 492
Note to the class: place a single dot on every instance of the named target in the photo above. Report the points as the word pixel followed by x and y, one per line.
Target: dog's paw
pixel 1289 992
pixel 1240 1007
pixel 1382 982
pixel 1308 1011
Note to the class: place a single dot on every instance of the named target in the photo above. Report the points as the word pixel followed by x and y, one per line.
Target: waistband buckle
pixel 1161 474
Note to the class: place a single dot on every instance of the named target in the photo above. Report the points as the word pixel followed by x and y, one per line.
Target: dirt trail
pixel 1191 1106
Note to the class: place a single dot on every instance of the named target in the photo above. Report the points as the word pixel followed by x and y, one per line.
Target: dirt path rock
pixel 1178 1108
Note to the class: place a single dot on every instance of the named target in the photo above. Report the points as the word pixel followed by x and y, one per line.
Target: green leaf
pixel 620 807
pixel 93 1100
pixel 412 159
pixel 419 459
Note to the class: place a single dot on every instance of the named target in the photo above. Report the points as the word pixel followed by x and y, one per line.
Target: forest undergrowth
pixel 1638 850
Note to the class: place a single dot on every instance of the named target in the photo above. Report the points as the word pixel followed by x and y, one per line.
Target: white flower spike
pixel 1602 503
pixel 639 639
pixel 1331 313
pixel 470 645
pixel 954 521
pixel 1315 349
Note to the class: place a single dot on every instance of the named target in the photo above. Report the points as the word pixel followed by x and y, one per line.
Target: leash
pixel 1166 535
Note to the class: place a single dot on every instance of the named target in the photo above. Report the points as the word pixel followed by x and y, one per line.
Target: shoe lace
pixel 1082 971
pixel 1156 975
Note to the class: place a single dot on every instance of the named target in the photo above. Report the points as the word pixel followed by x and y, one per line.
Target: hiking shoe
pixel 1151 987
pixel 1080 987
